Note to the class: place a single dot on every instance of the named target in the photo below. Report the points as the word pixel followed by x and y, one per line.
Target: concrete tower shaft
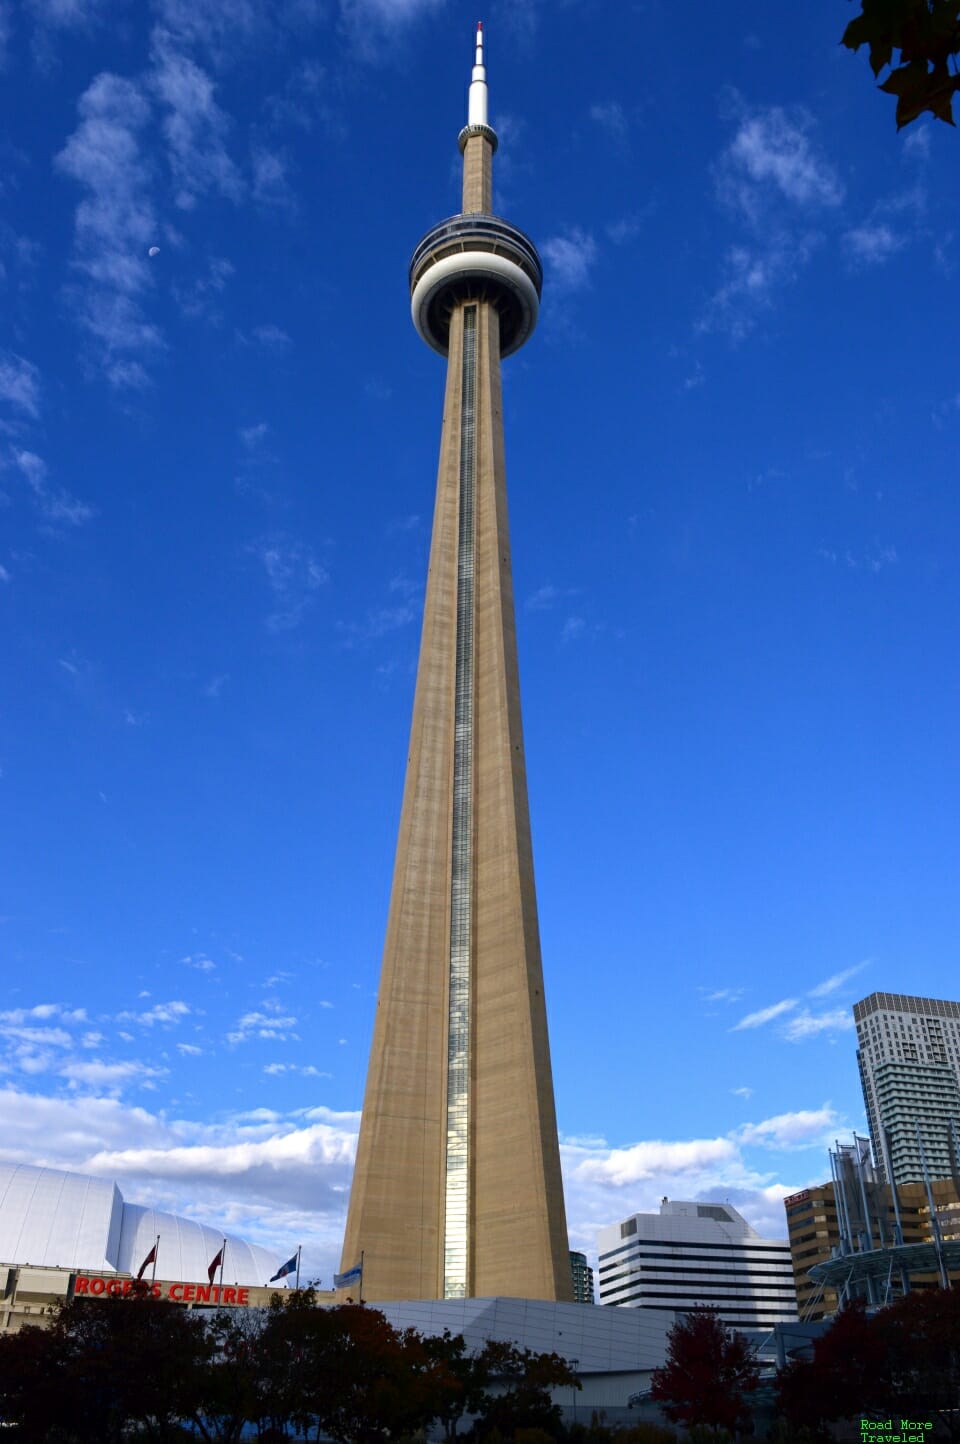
pixel 457 1189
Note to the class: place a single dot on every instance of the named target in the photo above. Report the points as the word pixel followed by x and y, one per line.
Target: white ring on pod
pixel 470 266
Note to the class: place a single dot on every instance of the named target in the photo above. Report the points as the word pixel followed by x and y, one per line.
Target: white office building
pixel 908 1052
pixel 694 1254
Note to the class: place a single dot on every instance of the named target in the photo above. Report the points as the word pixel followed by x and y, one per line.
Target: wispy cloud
pixel 764 1015
pixel 266 1024
pixel 800 1129
pixel 294 576
pixel 772 156
pixel 570 258
pixel 873 243
pixel 19 383
pixel 809 1025
pixel 837 980
pixel 168 1014
pixel 54 503
pixel 195 126
pixel 115 225
pixel 611 117
pixel 772 179
pixel 722 995
pixel 111 1077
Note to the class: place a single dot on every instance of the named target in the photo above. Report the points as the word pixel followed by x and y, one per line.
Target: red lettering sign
pixel 179 1292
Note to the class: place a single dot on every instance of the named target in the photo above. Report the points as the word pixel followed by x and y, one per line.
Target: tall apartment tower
pixel 908 1052
pixel 457 1190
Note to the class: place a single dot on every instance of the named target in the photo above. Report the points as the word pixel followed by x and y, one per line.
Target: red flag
pixel 211 1271
pixel 150 1258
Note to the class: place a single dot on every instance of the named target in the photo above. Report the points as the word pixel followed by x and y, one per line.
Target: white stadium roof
pixel 52 1219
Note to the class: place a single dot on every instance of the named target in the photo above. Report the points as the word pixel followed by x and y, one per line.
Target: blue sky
pixel 732 464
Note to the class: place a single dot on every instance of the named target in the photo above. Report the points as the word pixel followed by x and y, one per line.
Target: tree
pixel 522 1400
pixel 927 35
pixel 118 1364
pixel 850 1370
pixel 707 1373
pixel 920 1333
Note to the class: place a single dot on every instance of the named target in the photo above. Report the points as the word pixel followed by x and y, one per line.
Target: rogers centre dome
pixel 52 1219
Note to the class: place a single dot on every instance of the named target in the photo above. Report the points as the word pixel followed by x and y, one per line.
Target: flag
pixel 351 1277
pixel 211 1271
pixel 290 1267
pixel 150 1258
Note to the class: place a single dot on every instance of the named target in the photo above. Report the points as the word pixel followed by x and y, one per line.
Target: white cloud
pixel 808 1025
pixel 166 1013
pixel 189 1050
pixel 195 127
pixel 744 1093
pixel 570 259
pixel 837 980
pixel 263 1025
pixel 752 275
pixel 251 436
pixel 200 961
pixel 643 1161
pixel 764 1015
pixel 273 337
pixel 114 225
pixel 801 1129
pixel 56 504
pixel 771 154
pixel 65 14
pixel 873 243
pixel 573 627
pixel 610 116
pixel 110 1076
pixel 19 383
pixel 271 186
pixel 294 576
pixel 386 14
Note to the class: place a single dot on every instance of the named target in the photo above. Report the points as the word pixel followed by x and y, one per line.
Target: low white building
pixel 51 1219
pixel 697 1253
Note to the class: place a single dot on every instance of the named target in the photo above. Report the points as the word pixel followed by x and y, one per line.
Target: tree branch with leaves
pixel 925 37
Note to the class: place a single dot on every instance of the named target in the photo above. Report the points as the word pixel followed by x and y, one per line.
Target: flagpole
pixel 223 1259
pixel 299 1251
pixel 156 1251
pixel 361 1275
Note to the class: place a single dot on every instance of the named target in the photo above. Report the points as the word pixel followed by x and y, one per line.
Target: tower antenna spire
pixel 477 107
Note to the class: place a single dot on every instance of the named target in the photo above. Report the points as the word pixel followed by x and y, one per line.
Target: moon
pixel 154 251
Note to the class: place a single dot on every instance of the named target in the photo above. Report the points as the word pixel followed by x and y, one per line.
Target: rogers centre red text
pixel 180 1293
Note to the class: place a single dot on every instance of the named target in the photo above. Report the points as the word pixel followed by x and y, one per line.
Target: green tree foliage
pixel 926 33
pixel 707 1374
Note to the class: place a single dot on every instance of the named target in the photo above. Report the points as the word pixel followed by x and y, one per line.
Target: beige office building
pixel 457 1190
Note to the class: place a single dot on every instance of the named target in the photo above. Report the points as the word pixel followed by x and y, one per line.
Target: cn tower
pixel 457 1190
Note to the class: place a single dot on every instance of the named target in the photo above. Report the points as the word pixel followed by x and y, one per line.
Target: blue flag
pixel 347 1280
pixel 290 1267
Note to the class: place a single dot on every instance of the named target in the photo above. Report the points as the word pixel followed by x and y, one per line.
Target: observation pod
pixel 475 258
